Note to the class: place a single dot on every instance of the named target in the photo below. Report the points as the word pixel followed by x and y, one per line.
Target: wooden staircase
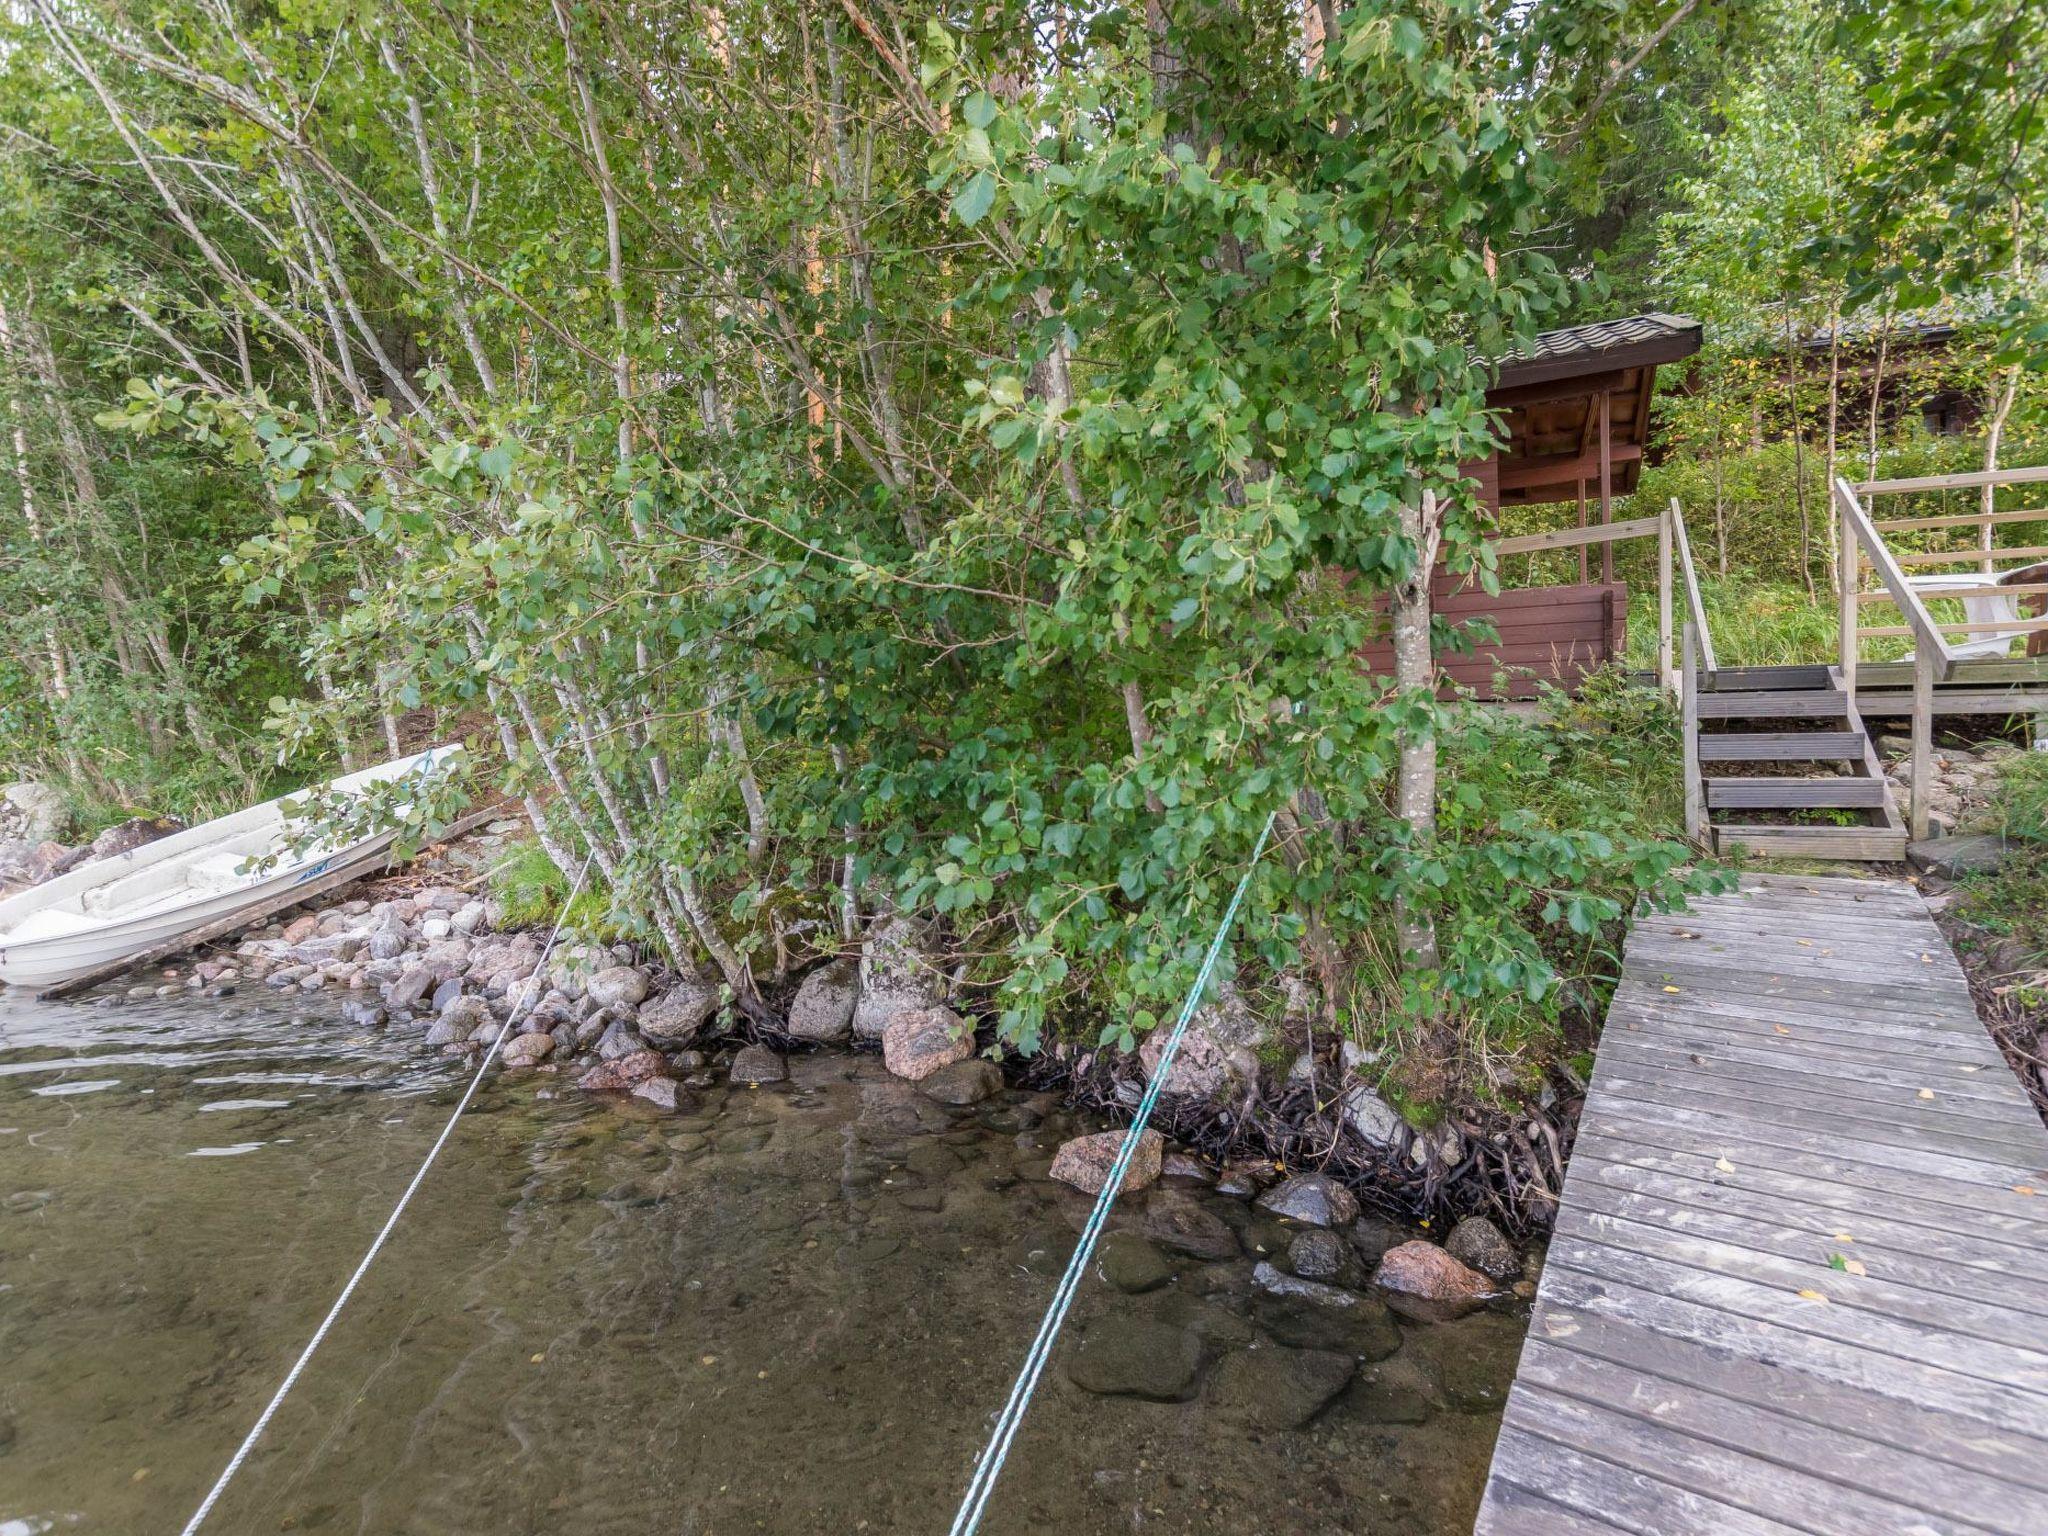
pixel 1778 761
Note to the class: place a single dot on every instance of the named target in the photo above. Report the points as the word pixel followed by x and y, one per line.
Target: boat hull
pixel 47 959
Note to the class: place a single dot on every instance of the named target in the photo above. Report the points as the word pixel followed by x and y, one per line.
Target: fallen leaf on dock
pixel 1781 1029
pixel 1926 1093
pixel 1671 989
pixel 1723 1165
pixel 1811 1295
pixel 1843 1237
pixel 2023 1189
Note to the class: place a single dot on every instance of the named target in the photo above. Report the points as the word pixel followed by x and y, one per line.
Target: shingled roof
pixel 1637 341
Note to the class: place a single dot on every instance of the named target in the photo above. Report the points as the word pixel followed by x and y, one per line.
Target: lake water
pixel 789 1310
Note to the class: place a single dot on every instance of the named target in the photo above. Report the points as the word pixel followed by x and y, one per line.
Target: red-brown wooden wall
pixel 1558 634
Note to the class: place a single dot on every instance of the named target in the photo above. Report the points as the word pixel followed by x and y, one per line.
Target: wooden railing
pixel 1703 637
pixel 1863 545
pixel 1663 526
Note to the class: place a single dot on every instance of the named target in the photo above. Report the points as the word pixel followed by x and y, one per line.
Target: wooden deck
pixel 1799 1282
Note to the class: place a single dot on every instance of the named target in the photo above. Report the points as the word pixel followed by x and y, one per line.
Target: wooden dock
pixel 1799 1282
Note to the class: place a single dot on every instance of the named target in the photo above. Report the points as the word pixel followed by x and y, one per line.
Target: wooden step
pixel 1783 747
pixel 1754 679
pixel 1872 845
pixel 1790 794
pixel 1783 704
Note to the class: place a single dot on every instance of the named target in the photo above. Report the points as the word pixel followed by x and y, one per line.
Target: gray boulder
pixel 1314 1198
pixel 618 1040
pixel 1219 1051
pixel 467 1014
pixel 1372 1117
pixel 446 1032
pixel 963 1083
pixel 1319 1254
pixel 758 1064
pixel 1953 857
pixel 1477 1243
pixel 34 813
pixel 825 1001
pixel 677 1016
pixel 528 1050
pixel 898 974
pixel 618 986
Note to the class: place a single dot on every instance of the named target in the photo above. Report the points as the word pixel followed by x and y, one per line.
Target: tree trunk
pixel 1415 671
pixel 1994 436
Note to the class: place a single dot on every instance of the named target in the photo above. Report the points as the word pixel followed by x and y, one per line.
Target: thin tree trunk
pixel 1994 436
pixel 1415 671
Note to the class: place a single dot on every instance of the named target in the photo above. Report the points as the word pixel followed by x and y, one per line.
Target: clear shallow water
pixel 790 1310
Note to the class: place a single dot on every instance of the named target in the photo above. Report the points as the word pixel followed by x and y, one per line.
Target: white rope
pixel 291 1377
pixel 997 1451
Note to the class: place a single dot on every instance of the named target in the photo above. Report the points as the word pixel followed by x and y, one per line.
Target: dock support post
pixel 1848 583
pixel 1923 738
pixel 1665 678
pixel 1689 726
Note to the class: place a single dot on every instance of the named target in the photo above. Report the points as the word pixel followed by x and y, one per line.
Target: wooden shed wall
pixel 1552 634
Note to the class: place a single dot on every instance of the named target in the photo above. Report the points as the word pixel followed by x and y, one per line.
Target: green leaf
pixel 972 202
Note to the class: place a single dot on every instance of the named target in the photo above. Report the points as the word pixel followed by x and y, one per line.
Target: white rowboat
pixel 135 902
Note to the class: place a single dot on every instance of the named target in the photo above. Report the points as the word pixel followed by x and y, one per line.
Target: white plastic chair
pixel 1984 603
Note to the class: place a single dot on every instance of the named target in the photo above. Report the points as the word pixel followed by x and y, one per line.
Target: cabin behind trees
pixel 1575 417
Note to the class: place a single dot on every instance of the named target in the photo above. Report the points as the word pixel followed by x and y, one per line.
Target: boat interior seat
pixel 218 871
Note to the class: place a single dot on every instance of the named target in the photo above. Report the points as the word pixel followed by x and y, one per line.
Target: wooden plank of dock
pixel 1799 1279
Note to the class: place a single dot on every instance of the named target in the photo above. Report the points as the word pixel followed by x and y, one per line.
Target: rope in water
pixel 990 1464
pixel 291 1377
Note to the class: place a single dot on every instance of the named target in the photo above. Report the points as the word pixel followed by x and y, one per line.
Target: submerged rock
pixel 1184 1225
pixel 1315 1198
pixel 623 1074
pixel 359 1012
pixel 1270 1386
pixel 1318 1255
pixel 758 1064
pixel 1396 1391
pixel 661 1092
pixel 1424 1282
pixel 1312 1315
pixel 1275 1281
pixel 1131 1264
pixel 1371 1236
pixel 1128 1357
pixel 918 1043
pixel 963 1083
pixel 1085 1161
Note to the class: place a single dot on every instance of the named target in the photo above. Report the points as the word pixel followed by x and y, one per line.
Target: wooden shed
pixel 1575 416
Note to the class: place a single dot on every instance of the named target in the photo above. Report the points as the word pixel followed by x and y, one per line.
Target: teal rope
pixel 990 1465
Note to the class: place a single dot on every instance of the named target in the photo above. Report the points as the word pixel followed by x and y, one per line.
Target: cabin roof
pixel 1551 396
